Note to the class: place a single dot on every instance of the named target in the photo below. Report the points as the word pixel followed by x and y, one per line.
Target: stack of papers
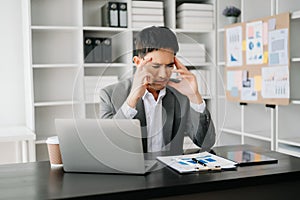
pixel 187 163
pixel 147 13
pixel 191 54
pixel 93 85
pixel 195 16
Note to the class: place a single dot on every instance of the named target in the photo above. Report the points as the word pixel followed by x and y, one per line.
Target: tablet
pixel 247 158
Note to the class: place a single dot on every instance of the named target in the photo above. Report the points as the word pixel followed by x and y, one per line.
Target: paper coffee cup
pixel 54 151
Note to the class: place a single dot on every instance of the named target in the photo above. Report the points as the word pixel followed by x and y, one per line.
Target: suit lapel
pixel 168 104
pixel 142 117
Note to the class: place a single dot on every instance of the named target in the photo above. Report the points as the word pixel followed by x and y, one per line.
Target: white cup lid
pixel 52 140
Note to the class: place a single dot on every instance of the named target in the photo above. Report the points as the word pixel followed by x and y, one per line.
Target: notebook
pixel 102 146
pixel 247 158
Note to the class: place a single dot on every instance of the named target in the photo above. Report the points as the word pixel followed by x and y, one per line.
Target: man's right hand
pixel 140 82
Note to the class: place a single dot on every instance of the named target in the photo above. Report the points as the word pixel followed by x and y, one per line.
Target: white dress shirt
pixel 153 112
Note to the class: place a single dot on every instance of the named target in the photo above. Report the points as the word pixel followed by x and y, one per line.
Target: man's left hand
pixel 188 84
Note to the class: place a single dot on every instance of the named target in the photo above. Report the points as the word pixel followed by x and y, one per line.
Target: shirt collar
pixel 161 94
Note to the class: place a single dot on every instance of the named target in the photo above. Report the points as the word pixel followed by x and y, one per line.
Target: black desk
pixel 271 181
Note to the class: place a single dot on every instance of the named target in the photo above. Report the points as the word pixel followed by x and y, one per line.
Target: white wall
pixel 12 106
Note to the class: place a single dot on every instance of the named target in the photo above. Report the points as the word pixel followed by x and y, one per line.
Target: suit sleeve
pixel 201 129
pixel 109 111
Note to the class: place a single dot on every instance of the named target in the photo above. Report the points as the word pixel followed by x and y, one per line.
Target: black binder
pixel 106 50
pixel 97 50
pixel 110 14
pixel 88 50
pixel 122 15
pixel 98 58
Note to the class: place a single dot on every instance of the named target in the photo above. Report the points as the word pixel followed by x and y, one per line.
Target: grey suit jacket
pixel 178 117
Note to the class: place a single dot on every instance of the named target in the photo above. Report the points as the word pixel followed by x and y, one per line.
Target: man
pixel 167 110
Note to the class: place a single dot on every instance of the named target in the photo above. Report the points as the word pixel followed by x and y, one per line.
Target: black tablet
pixel 246 158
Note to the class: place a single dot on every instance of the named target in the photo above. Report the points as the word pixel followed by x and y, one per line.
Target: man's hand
pixel 188 85
pixel 140 82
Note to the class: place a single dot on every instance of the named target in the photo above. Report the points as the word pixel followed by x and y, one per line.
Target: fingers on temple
pixel 145 61
pixel 178 64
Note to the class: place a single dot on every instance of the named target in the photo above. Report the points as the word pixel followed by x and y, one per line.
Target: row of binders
pixel 147 13
pixel 97 50
pixel 195 16
pixel 114 14
pixel 93 85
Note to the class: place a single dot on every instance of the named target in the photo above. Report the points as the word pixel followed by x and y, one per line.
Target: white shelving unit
pixel 54 33
pixel 287 117
pixel 273 128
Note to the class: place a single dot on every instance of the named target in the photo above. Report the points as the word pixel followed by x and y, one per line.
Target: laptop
pixel 102 146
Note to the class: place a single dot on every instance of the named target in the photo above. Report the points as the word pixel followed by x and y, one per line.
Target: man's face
pixel 160 68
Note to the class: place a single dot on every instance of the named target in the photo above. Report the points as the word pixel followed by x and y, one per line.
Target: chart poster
pixel 278 47
pixel 234 46
pixel 254 43
pixel 275 82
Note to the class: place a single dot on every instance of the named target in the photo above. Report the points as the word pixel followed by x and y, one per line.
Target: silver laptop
pixel 102 146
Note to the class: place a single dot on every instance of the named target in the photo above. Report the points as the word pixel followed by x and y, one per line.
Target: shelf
pixel 295 15
pixel 297 102
pixel 289 149
pixel 105 29
pixel 289 152
pixel 55 47
pixel 295 59
pixel 234 132
pixel 200 65
pixel 91 102
pixel 55 28
pixel 16 133
pixel 250 135
pixel 41 141
pixel 290 141
pixel 136 29
pixel 106 65
pixel 262 136
pixel 49 66
pixel 55 103
pixel 193 31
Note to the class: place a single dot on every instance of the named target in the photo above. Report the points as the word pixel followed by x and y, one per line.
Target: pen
pixel 199 161
pixel 215 168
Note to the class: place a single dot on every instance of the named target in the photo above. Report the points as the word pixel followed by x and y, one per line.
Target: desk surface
pixel 38 181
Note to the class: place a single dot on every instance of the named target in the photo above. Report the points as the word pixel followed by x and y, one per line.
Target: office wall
pixel 12 106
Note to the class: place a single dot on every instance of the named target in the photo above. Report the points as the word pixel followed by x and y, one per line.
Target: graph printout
pixel 234 46
pixel 254 43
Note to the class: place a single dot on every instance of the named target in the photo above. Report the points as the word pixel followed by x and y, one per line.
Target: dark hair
pixel 155 38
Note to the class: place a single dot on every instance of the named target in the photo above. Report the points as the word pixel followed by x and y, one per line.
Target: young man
pixel 167 110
